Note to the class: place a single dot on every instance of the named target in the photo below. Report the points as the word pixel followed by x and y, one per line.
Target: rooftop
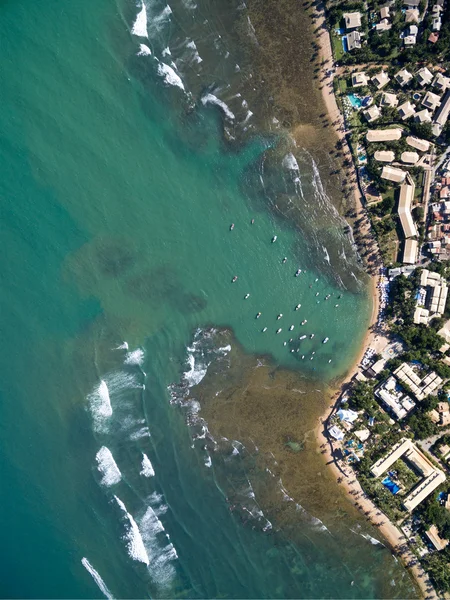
pixel 353 40
pixel 372 114
pixel 423 116
pixel 384 155
pixel 393 174
pixel 422 145
pixel 388 99
pixel 403 77
pixel 352 20
pixel 384 135
pixel 359 79
pixel 431 101
pixel 406 110
pixel 380 80
pixel 423 76
pixel 410 158
pixel 404 207
pixel 410 251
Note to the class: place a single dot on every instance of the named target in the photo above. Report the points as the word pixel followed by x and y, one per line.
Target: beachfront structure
pixel 420 387
pixel 434 537
pixel 441 82
pixel 359 79
pixel 352 20
pixel 388 99
pixel 406 110
pixel 432 477
pixel 423 116
pixel 393 174
pixel 422 145
pixel 409 158
pixel 442 114
pixel 410 251
pixel 441 414
pixel 424 77
pixel 380 80
pixel 436 291
pixel 372 114
pixel 431 101
pixel 384 135
pixel 384 156
pixel 353 40
pixel 394 399
pixel 403 77
pixel 404 207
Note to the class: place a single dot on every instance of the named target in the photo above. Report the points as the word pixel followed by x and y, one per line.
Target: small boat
pixel 329 360
pixel 291 339
pixel 327 296
pixel 316 280
pixel 298 306
pixel 291 328
pixel 336 305
pixel 325 340
pixel 284 260
pixel 304 322
pixel 246 296
pixel 258 315
pixel 234 278
pixel 231 226
pixel 279 330
pixel 312 358
pixel 265 329
pixel 302 337
pixel 274 239
pixel 311 336
pixel 303 356
pixel 279 316
pixel 252 221
pixel 298 350
pixel 313 353
pixel 292 350
pixel 284 343
pixel 317 293
pixel 297 273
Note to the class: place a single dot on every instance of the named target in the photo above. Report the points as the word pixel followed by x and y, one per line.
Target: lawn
pixel 336 44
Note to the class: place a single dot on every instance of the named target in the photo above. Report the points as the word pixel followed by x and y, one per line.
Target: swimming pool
pixel 391 486
pixel 354 100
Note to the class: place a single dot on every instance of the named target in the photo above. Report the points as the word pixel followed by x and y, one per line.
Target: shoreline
pixel 373 338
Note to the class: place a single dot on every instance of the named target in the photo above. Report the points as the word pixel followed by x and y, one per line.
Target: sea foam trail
pixel 96 577
pixel 136 357
pixel 169 75
pixel 100 405
pixel 211 99
pixel 161 569
pixel 135 545
pixel 140 25
pixel 107 467
pixel 196 373
pixel 147 467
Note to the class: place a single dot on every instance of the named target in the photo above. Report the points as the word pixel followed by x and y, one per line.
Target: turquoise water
pixel 117 196
pixel 354 100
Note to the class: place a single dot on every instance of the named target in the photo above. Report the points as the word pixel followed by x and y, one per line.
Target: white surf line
pixel 96 577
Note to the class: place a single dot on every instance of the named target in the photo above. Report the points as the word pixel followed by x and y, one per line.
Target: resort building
pixel 434 537
pixel 421 388
pixel 409 40
pixel 353 40
pixel 388 99
pixel 441 414
pixel 436 23
pixel 359 79
pixel 404 207
pixel 424 77
pixel 435 293
pixel 394 399
pixel 432 477
pixel 352 20
pixel 431 101
pixel 393 174
pixel 403 77
pixel 372 114
pixel 423 116
pixel 384 135
pixel 421 316
pixel 441 82
pixel 410 251
pixel 384 12
pixel 412 15
pixel 384 155
pixel 380 80
pixel 410 158
pixel 422 145
pixel 406 110
pixel 383 25
pixel 442 114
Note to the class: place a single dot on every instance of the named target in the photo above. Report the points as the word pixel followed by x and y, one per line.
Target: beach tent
pixel 347 415
pixel 336 433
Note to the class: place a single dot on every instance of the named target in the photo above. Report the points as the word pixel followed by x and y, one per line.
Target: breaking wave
pixel 107 467
pixel 100 405
pixel 211 99
pixel 140 25
pixel 169 75
pixel 133 538
pixel 147 467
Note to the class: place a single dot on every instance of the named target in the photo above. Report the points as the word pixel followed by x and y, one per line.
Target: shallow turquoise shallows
pixel 118 194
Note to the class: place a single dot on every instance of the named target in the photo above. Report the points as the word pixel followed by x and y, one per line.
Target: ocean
pixel 156 435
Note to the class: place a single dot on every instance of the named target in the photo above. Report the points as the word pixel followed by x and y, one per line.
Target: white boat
pixel 304 322
pixel 279 330
pixel 298 306
pixel 280 315
pixel 303 356
pixel 302 337
pixel 311 336
pixel 317 293
pixel 246 296
pixel 265 329
pixel 284 343
pixel 274 239
pixel 325 340
pixel 291 328
pixel 258 315
pixel 316 280
pixel 298 272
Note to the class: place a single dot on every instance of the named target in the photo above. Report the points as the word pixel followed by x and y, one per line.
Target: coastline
pixel 375 338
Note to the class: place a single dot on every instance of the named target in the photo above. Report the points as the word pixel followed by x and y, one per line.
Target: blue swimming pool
pixel 391 486
pixel 354 100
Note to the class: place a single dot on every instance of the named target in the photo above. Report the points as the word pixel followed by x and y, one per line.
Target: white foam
pixel 100 405
pixel 196 56
pixel 225 349
pixel 143 51
pixel 208 461
pixel 147 467
pixel 140 25
pixel 290 162
pixel 139 434
pixel 211 99
pixel 135 358
pixel 96 577
pixel 150 524
pixel 166 51
pixel 169 75
pixel 124 345
pixel 371 539
pixel 195 373
pixel 107 467
pixel 135 544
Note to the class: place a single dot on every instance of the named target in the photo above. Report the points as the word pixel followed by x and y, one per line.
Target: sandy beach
pixel 376 338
